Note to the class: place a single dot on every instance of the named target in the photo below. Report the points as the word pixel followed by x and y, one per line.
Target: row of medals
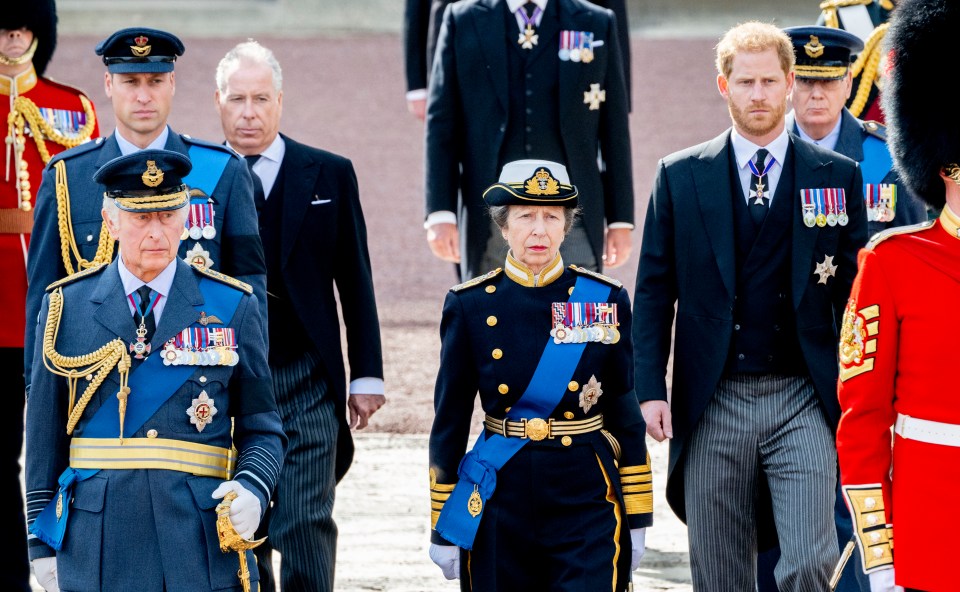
pixel 217 356
pixel 607 334
pixel 197 232
pixel 811 219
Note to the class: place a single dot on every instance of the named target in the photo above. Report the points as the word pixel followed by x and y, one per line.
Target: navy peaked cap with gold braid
pixel 532 182
pixel 824 53
pixel 146 180
pixel 139 49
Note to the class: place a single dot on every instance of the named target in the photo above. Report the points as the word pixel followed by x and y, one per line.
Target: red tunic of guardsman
pixel 39 118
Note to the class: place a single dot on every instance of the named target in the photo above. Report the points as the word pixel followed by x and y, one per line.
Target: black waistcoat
pixel 765 334
pixel 533 124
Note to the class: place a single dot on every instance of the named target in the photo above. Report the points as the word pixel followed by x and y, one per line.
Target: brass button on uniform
pixel 566 440
pixel 490 289
pixel 202 379
pixel 152 434
pixel 504 389
pixel 507 410
pixel 497 354
pixel 568 414
pixel 570 291
pixel 491 320
pixel 573 386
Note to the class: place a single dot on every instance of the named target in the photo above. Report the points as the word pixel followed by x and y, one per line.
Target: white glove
pixel 447 558
pixel 882 581
pixel 45 571
pixel 245 511
pixel 638 541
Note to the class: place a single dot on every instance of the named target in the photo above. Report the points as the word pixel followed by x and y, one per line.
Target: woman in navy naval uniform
pixel 556 492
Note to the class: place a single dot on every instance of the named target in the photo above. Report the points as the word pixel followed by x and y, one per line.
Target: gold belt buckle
pixel 536 429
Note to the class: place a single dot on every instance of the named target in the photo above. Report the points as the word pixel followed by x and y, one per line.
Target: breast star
pixel 825 269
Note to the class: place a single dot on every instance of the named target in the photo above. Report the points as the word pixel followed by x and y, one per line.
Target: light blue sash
pixel 208 165
pixel 478 468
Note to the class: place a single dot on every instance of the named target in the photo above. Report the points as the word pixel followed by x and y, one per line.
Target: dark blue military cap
pixel 146 181
pixel 532 182
pixel 823 52
pixel 140 50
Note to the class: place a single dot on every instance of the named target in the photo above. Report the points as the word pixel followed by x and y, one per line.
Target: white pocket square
pixel 317 201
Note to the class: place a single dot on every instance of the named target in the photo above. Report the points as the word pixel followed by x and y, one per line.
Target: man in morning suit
pixel 750 242
pixel 153 401
pixel 39 117
pixel 69 234
pixel 514 81
pixel 421 26
pixel 315 239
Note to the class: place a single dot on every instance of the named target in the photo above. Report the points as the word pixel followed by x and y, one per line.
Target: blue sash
pixel 208 166
pixel 478 468
pixel 876 160
pixel 151 385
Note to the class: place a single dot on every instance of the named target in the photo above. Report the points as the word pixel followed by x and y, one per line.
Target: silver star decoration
pixel 825 269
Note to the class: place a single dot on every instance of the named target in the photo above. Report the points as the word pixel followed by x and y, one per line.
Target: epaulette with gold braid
pixel 885 234
pixel 875 129
pixel 224 278
pixel 597 276
pixel 76 276
pixel 477 280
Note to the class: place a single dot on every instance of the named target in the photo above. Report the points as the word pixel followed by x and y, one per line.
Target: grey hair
pixel 499 216
pixel 248 51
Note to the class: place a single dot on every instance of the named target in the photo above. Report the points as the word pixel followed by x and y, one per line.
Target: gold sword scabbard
pixel 838 570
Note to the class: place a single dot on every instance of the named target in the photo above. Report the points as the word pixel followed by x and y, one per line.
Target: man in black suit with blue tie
pixel 750 242
pixel 314 239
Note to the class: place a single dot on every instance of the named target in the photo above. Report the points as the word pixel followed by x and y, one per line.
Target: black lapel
pixel 300 173
pixel 711 176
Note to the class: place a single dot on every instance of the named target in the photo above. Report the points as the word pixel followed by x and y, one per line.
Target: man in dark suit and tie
pixel 421 26
pixel 314 239
pixel 515 80
pixel 750 242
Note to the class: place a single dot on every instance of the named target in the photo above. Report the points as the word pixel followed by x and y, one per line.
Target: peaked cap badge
pixel 814 49
pixel 141 49
pixel 153 176
pixel 542 183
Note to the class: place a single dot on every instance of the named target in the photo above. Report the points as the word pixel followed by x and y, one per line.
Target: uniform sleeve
pixel 625 423
pixel 258 430
pixel 869 341
pixel 453 401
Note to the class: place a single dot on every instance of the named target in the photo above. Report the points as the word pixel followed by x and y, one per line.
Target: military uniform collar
pixel 18 84
pixel 521 274
pixel 950 222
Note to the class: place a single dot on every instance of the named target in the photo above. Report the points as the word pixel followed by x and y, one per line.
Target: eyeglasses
pixel 808 84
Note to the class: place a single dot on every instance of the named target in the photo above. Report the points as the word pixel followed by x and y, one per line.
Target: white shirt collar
pixel 745 150
pixel 127 147
pixel 268 166
pixel 829 141
pixel 161 284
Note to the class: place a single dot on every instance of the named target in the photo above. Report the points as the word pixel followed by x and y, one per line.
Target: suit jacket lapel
pixel 711 175
pixel 300 174
pixel 178 310
pixel 489 28
pixel 850 142
pixel 809 172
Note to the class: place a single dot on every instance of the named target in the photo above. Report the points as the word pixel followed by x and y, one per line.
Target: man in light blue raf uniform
pixel 824 82
pixel 69 235
pixel 153 439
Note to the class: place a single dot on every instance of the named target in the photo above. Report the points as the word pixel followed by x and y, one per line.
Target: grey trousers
pixel 761 425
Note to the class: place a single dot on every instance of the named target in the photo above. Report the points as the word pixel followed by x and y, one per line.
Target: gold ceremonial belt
pixel 153 453
pixel 537 429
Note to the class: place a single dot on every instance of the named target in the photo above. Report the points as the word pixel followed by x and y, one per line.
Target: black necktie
pixel 146 316
pixel 258 197
pixel 759 189
pixel 529 7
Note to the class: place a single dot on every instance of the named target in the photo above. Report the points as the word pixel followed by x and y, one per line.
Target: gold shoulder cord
pixel 68 241
pixel 25 111
pixel 869 64
pixel 97 365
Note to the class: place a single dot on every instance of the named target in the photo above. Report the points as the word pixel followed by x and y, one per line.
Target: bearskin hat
pixel 40 16
pixel 922 132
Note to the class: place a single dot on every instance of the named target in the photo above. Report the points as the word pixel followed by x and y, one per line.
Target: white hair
pixel 252 52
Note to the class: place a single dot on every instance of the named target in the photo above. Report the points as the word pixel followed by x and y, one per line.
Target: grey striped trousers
pixel 301 525
pixel 755 425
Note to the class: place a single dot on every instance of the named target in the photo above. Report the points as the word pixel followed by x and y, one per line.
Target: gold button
pixel 504 389
pixel 568 414
pixel 152 434
pixel 507 410
pixel 875 537
pixel 878 553
pixel 869 503
pixel 871 519
pixel 203 379
pixel 570 291
pixel 491 289
pixel 497 354
pixel 491 320
pixel 89 377
pixel 573 386
pixel 566 440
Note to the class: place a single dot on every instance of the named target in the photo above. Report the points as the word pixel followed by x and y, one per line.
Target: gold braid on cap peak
pixel 153 202
pixel 68 242
pixel 95 365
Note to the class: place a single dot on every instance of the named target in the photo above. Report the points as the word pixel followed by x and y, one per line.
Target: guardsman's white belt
pixel 538 429
pixel 931 432
pixel 153 453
